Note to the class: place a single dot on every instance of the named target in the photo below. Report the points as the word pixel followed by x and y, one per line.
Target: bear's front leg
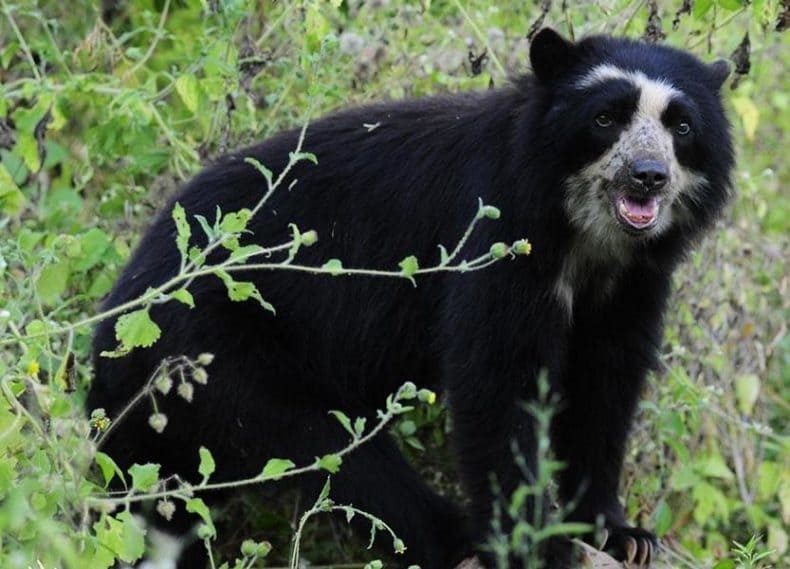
pixel 613 345
pixel 491 369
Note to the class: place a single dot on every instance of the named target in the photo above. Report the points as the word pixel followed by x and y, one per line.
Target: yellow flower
pixel 33 368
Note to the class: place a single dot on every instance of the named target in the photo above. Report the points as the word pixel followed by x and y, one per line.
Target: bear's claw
pixel 635 547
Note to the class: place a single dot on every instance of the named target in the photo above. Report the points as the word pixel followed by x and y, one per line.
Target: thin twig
pixel 478 32
pixel 158 34
pixel 22 42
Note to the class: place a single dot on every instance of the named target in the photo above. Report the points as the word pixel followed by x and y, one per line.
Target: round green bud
pixel 498 250
pixel 408 391
pixel 309 238
pixel 264 547
pixel 490 212
pixel 204 532
pixel 426 396
pixel 248 548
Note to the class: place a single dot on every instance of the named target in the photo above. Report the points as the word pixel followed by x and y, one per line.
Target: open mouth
pixel 637 213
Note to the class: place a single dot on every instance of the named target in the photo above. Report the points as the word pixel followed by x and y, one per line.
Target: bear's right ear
pixel 551 55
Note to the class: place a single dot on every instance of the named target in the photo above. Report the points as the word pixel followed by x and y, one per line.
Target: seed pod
pixel 186 390
pixel 158 422
pixel 163 383
pixel 200 376
pixel 205 358
pixel 166 509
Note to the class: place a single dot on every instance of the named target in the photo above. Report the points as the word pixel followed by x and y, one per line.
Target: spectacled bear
pixel 612 157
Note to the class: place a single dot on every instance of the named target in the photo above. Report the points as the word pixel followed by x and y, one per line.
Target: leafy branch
pixel 324 504
pixel 135 328
pixel 146 484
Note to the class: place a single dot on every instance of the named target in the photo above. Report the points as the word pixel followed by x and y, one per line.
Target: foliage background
pixel 104 109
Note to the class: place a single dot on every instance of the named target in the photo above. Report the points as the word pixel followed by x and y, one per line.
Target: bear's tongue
pixel 638 213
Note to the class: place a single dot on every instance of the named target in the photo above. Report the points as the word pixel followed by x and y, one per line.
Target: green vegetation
pixel 99 121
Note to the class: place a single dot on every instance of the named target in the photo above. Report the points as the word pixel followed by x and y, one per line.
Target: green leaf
pixel 747 389
pixel 108 468
pixel 137 330
pixel 196 256
pixel 275 467
pixel 52 281
pixel 444 257
pixel 245 252
pixel 731 4
pixel 663 516
pixel 236 221
pixel 204 225
pixel 713 466
pixel 749 113
pixel 684 478
pixel 118 537
pixel 407 428
pixel 701 7
pixel 12 200
pixel 183 296
pixel 188 89
pixel 264 171
pixel 238 291
pixel 27 148
pixel 207 464
pixel 344 420
pixel 562 528
pixel 132 543
pixel 333 266
pixel 324 494
pixel 299 156
pixel 409 267
pixel 708 500
pixel 183 230
pixel 199 507
pixel 330 462
pixel 93 244
pixel 145 477
pixel 316 28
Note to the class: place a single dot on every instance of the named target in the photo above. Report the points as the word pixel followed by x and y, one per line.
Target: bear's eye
pixel 604 120
pixel 683 128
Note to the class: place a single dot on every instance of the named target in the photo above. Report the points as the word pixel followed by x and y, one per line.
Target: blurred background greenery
pixel 106 107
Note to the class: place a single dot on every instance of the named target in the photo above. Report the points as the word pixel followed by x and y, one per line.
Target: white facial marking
pixel 656 93
pixel 602 246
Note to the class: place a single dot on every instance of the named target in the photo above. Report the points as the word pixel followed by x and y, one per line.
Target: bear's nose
pixel 650 174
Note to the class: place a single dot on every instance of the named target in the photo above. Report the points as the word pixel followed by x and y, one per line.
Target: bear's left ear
pixel 719 71
pixel 551 55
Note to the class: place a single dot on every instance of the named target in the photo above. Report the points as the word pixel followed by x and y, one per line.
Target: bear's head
pixel 641 131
